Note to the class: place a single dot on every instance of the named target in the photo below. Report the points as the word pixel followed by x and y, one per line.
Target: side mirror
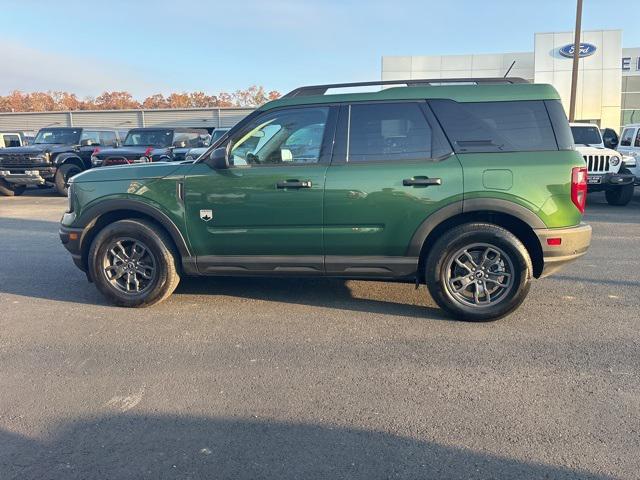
pixel 218 159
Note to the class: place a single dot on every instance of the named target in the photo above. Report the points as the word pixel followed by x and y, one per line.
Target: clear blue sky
pixel 185 45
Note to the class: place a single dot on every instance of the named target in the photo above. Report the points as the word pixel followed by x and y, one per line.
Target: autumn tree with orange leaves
pixel 52 101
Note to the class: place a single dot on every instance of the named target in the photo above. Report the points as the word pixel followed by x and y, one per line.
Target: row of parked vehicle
pixel 57 154
pixel 611 160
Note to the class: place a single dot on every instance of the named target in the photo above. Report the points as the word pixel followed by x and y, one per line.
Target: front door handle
pixel 294 184
pixel 421 182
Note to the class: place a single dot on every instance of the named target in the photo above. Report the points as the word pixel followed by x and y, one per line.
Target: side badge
pixel 206 215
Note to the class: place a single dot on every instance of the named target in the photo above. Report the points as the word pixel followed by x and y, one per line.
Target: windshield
pixel 66 136
pixel 586 135
pixel 149 138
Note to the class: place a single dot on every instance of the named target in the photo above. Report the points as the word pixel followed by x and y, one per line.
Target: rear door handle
pixel 421 182
pixel 294 184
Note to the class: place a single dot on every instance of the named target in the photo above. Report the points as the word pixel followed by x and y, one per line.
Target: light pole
pixel 576 60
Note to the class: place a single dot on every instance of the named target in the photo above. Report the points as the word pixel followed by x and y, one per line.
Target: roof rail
pixel 322 89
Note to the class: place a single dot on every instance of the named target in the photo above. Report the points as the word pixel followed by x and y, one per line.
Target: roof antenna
pixel 512 64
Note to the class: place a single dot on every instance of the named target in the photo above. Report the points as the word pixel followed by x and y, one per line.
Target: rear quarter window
pixel 511 126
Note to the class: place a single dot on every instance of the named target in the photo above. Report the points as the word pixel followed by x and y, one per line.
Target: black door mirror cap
pixel 218 159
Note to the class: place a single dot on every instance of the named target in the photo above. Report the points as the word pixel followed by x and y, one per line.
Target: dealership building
pixel 608 82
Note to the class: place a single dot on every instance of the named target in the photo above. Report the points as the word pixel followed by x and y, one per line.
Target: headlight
pixel 142 160
pixel 614 161
pixel 95 161
pixel 70 198
pixel 41 158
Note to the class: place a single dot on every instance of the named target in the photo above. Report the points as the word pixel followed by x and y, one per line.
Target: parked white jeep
pixel 606 168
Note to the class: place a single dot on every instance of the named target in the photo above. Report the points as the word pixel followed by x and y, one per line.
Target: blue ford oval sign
pixel 586 49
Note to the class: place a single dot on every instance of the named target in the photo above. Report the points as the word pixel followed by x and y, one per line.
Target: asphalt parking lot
pixel 263 378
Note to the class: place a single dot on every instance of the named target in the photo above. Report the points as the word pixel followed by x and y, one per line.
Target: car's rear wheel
pixel 133 264
pixel 9 189
pixel 619 196
pixel 478 272
pixel 63 174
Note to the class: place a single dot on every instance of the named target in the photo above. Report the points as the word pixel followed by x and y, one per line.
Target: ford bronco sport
pixel 471 187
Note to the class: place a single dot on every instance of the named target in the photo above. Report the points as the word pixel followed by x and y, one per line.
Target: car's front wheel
pixel 63 175
pixel 133 264
pixel 619 196
pixel 478 272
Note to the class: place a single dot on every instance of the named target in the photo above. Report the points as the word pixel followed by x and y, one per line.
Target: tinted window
pixel 11 141
pixel 282 137
pixel 92 137
pixel 637 144
pixel 586 135
pixel 149 138
pixel 560 124
pixel 188 140
pixel 389 132
pixel 108 139
pixel 496 126
pixel 627 137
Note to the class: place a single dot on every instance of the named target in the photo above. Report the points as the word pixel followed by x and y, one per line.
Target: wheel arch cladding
pixel 452 216
pixel 69 158
pixel 105 213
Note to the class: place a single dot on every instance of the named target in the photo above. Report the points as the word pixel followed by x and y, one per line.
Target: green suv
pixel 471 187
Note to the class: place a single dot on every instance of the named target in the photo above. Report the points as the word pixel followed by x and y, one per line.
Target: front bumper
pixel 574 243
pixel 608 180
pixel 35 176
pixel 71 238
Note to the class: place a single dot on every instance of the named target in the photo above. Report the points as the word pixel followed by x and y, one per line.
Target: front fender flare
pixel 93 213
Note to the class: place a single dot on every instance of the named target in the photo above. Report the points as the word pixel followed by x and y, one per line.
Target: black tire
pixel 10 190
pixel 63 174
pixel 473 236
pixel 619 196
pixel 165 278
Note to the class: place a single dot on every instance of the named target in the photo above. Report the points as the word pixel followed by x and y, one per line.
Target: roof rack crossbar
pixel 322 89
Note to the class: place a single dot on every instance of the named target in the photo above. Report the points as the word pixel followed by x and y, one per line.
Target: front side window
pixel 510 126
pixel 89 138
pixel 388 132
pixel 62 136
pixel 107 139
pixel 187 140
pixel 637 143
pixel 149 138
pixel 586 135
pixel 627 137
pixel 284 137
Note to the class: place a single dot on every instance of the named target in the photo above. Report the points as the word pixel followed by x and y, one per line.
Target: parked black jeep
pixel 56 155
pixel 152 145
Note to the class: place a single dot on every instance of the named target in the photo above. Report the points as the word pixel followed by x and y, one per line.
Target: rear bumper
pixel 574 243
pixel 71 239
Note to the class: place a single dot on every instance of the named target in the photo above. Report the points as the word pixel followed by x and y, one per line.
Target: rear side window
pixel 627 137
pixel 11 141
pixel 560 124
pixel 381 132
pixel 496 126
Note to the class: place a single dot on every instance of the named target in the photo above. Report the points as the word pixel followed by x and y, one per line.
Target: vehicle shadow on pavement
pixel 128 446
pixel 325 292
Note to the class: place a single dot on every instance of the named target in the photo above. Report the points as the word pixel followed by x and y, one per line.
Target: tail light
pixel 147 152
pixel 95 151
pixel 579 187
